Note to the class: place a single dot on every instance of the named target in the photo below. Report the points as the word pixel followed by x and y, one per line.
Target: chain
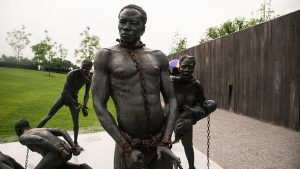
pixel 144 93
pixel 208 140
pixel 26 161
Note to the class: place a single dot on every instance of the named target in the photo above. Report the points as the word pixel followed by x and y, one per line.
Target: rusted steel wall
pixel 254 72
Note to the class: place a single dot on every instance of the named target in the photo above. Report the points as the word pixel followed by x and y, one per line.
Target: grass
pixel 30 94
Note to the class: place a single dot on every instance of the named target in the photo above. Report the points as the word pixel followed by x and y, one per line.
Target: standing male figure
pixel 134 76
pixel 56 152
pixel 69 96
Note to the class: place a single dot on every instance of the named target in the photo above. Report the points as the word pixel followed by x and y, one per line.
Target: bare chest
pixel 127 65
pixel 185 94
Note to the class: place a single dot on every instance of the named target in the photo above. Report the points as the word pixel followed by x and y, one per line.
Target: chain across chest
pixel 125 67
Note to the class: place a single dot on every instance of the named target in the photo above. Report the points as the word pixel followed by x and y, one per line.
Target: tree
pixel 88 47
pixel 62 65
pixel 62 54
pixel 178 43
pixel 44 52
pixel 265 14
pixel 9 59
pixel 18 40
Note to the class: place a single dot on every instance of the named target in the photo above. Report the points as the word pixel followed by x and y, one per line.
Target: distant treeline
pixel 57 65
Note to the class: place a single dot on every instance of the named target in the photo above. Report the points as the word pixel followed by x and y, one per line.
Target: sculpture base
pixel 99 152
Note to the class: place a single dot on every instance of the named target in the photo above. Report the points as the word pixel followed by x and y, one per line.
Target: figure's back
pixel 36 145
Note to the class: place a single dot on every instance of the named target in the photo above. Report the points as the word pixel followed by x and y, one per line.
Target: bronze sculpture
pixel 191 105
pixel 75 81
pixel 7 162
pixel 134 76
pixel 56 152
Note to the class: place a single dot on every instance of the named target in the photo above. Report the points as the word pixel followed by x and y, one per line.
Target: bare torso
pixel 46 135
pixel 75 81
pixel 186 94
pixel 126 90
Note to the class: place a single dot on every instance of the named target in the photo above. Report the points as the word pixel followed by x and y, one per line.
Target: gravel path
pixel 240 142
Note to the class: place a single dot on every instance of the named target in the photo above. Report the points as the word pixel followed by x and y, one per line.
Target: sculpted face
pixel 186 68
pixel 131 26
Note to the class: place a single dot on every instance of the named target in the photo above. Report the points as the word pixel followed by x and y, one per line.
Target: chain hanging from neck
pixel 26 161
pixel 208 141
pixel 144 92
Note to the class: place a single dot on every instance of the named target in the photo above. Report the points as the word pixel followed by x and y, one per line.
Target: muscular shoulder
pixel 197 82
pixel 73 72
pixel 156 53
pixel 103 58
pixel 159 56
pixel 103 52
pixel 198 85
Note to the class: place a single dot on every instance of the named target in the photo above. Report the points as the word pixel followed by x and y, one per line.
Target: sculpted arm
pixel 197 111
pixel 64 133
pixel 86 94
pixel 169 97
pixel 101 93
pixel 201 98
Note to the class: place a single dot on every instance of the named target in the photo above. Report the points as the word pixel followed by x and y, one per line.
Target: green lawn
pixel 30 94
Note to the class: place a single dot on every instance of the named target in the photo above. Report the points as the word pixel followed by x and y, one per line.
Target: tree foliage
pixel 18 40
pixel 62 64
pixel 88 46
pixel 44 52
pixel 265 14
pixel 178 43
pixel 62 54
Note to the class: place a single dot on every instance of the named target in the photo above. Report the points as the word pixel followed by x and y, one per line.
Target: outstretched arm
pixel 169 98
pixel 101 93
pixel 64 133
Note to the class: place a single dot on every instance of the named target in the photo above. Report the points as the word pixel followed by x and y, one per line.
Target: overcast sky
pixel 65 19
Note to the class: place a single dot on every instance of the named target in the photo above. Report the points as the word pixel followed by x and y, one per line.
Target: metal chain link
pixel 26 161
pixel 208 140
pixel 144 92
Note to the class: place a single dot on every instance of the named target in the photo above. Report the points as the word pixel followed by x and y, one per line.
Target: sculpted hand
pixel 75 151
pixel 166 141
pixel 164 150
pixel 85 111
pixel 134 159
pixel 65 155
pixel 210 106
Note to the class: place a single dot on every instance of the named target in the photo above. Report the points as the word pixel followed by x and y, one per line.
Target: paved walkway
pixel 240 142
pixel 237 142
pixel 99 150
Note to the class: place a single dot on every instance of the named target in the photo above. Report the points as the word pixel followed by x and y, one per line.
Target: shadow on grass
pixel 50 76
